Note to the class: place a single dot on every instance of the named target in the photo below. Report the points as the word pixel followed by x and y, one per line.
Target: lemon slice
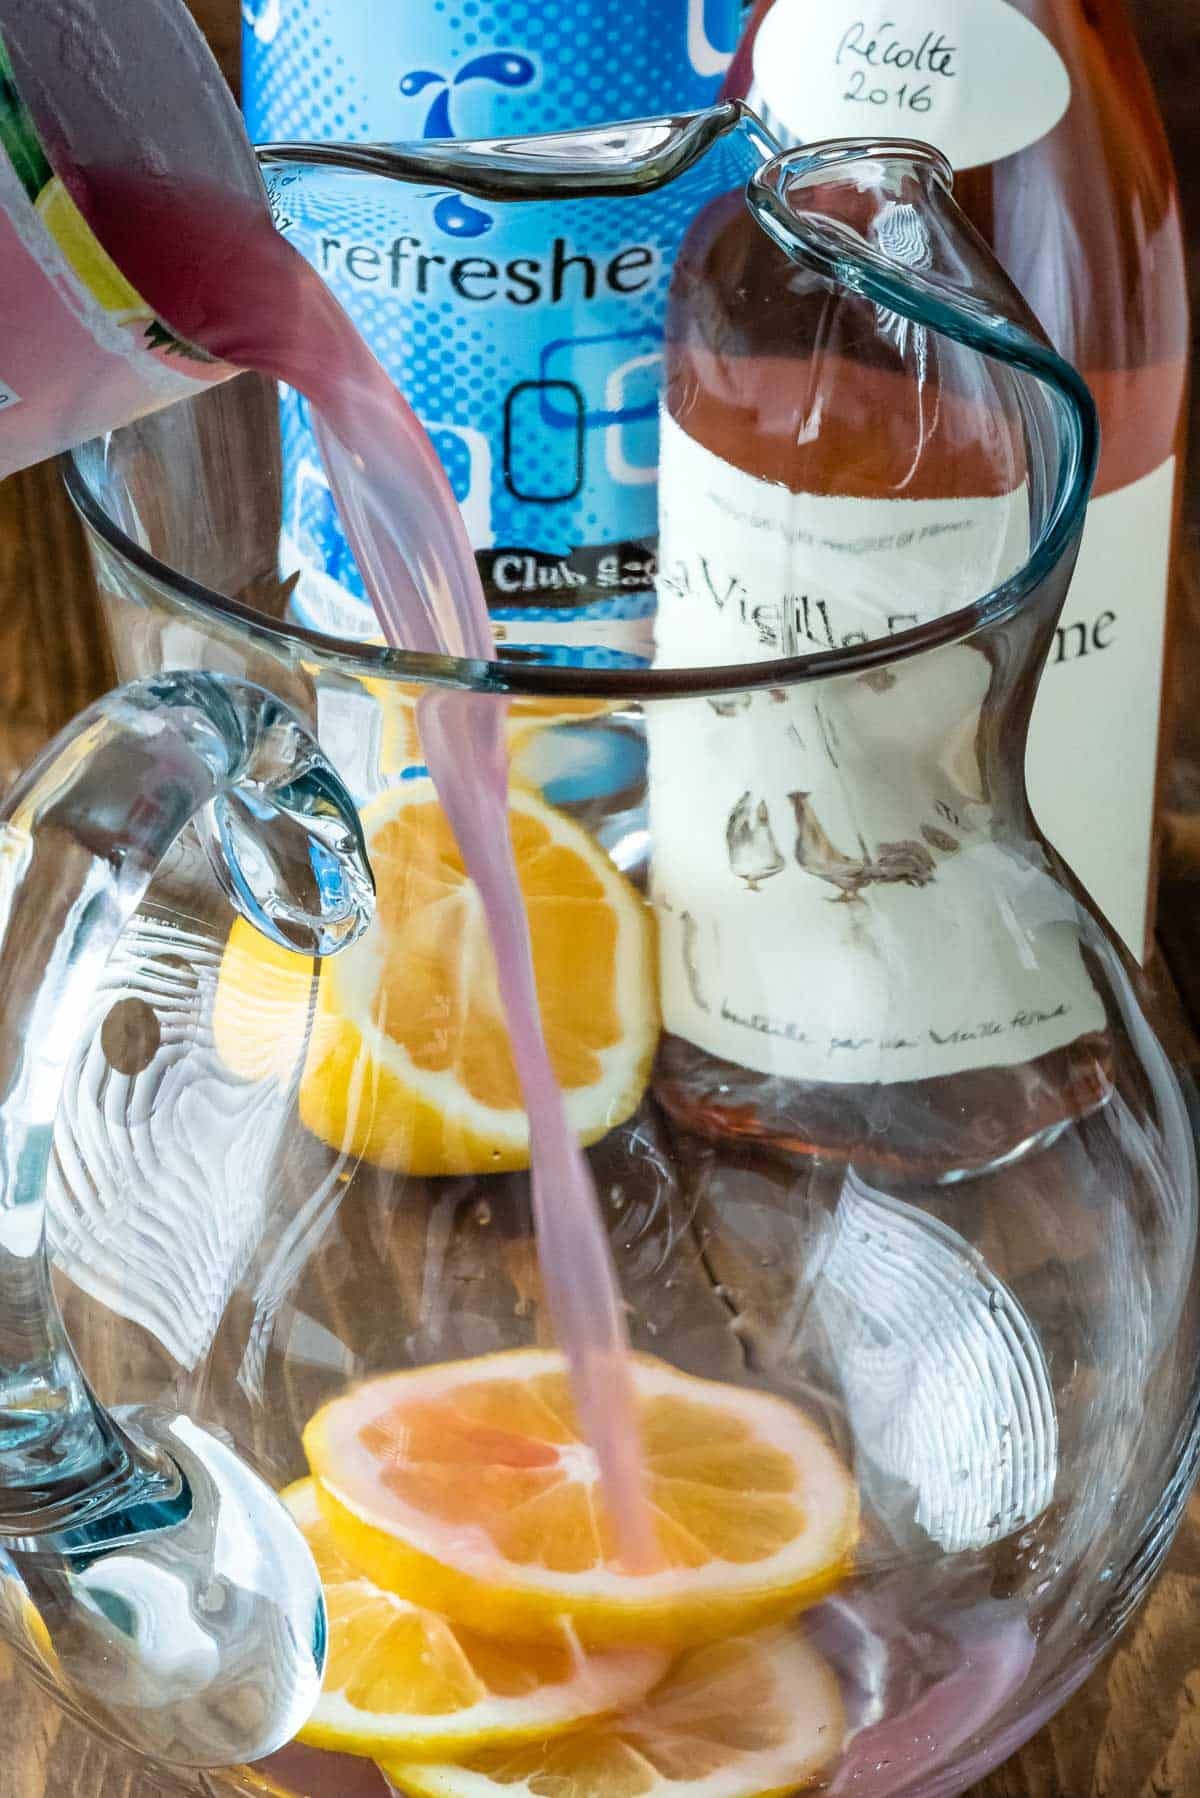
pixel 23 1625
pixel 409 1065
pixel 87 256
pixel 741 1719
pixel 468 1488
pixel 400 1680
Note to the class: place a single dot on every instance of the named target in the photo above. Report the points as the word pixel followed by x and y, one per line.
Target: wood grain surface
pixel 1134 1729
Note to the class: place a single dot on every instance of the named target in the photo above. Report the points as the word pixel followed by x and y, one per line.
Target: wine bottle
pixel 837 867
pixel 1045 111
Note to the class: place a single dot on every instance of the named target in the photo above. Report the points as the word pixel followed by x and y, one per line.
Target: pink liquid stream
pixel 215 268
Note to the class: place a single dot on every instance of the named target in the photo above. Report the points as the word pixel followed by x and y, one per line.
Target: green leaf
pixel 18 138
pixel 161 337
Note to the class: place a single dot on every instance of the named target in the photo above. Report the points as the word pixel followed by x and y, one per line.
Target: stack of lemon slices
pixel 483 1633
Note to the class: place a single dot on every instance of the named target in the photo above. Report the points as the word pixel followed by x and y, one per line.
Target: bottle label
pixel 533 357
pixel 834 902
pixel 1093 747
pixel 528 336
pixel 979 81
pixel 83 352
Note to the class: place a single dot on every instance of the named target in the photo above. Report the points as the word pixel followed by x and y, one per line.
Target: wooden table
pixel 1134 1729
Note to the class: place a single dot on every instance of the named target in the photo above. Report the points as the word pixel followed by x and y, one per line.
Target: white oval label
pixel 979 81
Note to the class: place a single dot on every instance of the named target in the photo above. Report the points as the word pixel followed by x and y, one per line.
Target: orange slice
pixel 410 1066
pixel 401 1680
pixel 22 1624
pixel 468 1488
pixel 741 1719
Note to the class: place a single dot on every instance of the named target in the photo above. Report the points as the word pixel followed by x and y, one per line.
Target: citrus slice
pixel 410 1066
pixel 468 1488
pixel 22 1623
pixel 739 1719
pixel 400 1680
pixel 87 256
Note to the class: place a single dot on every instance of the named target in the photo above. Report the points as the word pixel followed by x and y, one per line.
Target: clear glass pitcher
pixel 898 1175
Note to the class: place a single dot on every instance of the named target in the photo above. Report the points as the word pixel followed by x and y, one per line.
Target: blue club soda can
pixel 532 357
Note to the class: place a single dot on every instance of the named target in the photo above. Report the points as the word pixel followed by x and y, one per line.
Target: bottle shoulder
pixel 1084 216
pixel 1086 220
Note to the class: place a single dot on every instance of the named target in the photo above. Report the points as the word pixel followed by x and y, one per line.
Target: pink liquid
pixel 993 1649
pixel 213 265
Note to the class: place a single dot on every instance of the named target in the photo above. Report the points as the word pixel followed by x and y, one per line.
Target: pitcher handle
pixel 81 836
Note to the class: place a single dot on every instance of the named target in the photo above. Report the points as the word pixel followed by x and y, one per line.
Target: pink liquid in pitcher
pixel 213 264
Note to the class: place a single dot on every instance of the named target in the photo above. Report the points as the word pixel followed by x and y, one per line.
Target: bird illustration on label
pixel 907 862
pixel 754 855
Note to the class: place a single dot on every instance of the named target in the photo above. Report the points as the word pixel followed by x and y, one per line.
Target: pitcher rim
pixel 518 673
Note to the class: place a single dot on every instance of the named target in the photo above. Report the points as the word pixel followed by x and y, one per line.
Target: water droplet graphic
pixel 417 80
pixel 507 68
pixel 457 219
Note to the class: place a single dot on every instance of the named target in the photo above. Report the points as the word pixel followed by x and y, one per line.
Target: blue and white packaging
pixel 527 336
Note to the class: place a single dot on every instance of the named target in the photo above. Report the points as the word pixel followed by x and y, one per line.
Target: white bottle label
pixel 8 395
pixel 978 80
pixel 833 902
pixel 1093 746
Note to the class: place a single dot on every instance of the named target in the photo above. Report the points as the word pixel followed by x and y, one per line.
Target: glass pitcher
pixel 898 1176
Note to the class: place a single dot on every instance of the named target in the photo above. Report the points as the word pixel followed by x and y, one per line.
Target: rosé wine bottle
pixel 1046 113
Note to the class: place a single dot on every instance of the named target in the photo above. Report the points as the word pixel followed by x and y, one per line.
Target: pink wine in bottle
pixel 1046 113
pixel 841 970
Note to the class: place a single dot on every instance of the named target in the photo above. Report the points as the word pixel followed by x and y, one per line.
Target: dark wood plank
pixel 221 22
pixel 53 654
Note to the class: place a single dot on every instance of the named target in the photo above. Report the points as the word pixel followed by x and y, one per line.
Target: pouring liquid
pixel 214 265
